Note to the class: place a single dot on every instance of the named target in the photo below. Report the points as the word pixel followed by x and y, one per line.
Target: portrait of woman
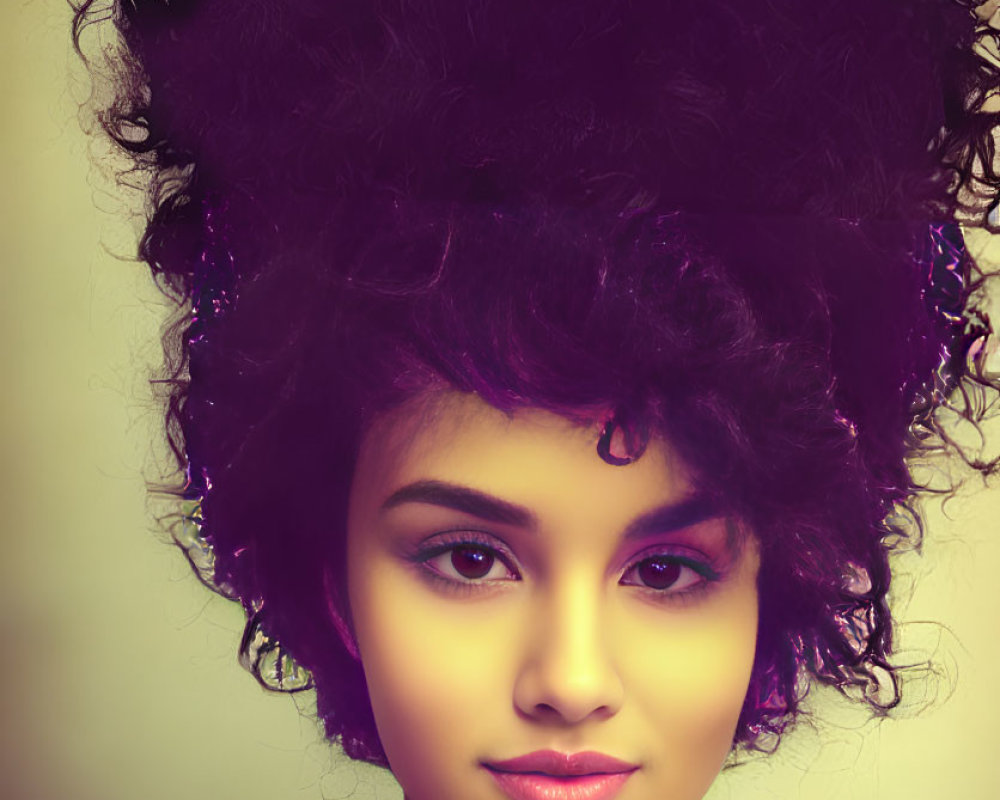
pixel 562 395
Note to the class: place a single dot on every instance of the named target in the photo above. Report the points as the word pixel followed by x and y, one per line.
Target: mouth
pixel 549 775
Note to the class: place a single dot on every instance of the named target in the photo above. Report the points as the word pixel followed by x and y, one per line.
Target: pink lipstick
pixel 549 775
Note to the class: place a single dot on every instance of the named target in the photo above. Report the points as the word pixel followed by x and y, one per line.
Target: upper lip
pixel 551 762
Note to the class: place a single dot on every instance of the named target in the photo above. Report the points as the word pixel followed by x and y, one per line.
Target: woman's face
pixel 514 595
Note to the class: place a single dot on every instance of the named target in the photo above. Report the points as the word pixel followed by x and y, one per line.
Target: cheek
pixel 433 666
pixel 691 678
pixel 690 658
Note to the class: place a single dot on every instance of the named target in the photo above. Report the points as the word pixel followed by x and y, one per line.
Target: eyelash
pixel 706 574
pixel 445 544
pixel 448 543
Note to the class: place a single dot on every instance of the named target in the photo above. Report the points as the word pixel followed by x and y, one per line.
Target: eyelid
pixel 700 566
pixel 443 541
pixel 448 540
pixel 695 559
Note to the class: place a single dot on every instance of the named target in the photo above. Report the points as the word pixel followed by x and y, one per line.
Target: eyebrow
pixel 674 517
pixel 670 517
pixel 462 498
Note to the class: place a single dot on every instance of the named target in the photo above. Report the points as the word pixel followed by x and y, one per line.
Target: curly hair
pixel 733 221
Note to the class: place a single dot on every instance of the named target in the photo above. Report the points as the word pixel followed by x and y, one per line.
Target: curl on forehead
pixel 530 456
pixel 439 416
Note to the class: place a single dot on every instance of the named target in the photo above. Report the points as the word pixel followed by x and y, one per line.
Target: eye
pixel 670 574
pixel 469 562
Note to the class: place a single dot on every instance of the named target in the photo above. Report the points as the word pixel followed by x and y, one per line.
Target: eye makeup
pixel 671 574
pixel 463 561
pixel 431 561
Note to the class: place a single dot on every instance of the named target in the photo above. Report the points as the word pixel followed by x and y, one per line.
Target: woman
pixel 544 380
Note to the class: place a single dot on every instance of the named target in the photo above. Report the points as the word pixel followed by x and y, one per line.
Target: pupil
pixel 659 573
pixel 471 562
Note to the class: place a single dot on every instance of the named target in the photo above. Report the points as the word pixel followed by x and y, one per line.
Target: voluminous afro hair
pixel 731 221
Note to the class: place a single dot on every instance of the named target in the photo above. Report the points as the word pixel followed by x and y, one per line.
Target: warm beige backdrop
pixel 118 678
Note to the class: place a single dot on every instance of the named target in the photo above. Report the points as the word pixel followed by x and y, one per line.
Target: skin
pixel 561 644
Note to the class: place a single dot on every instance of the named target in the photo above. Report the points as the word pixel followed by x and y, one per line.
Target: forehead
pixel 534 457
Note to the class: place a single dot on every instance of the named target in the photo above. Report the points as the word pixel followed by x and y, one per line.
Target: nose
pixel 568 672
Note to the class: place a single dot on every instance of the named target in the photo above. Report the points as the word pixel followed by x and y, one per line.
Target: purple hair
pixel 732 222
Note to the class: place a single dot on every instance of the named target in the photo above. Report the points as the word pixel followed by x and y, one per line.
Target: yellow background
pixel 118 677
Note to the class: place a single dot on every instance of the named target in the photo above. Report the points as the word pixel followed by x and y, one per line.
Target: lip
pixel 550 775
pixel 552 762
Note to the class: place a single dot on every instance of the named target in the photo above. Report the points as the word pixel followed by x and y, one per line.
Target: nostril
pixel 570 710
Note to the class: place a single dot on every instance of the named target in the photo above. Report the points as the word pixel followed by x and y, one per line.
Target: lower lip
pixel 533 786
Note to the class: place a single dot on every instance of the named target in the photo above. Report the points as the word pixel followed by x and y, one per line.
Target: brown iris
pixel 659 573
pixel 471 562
